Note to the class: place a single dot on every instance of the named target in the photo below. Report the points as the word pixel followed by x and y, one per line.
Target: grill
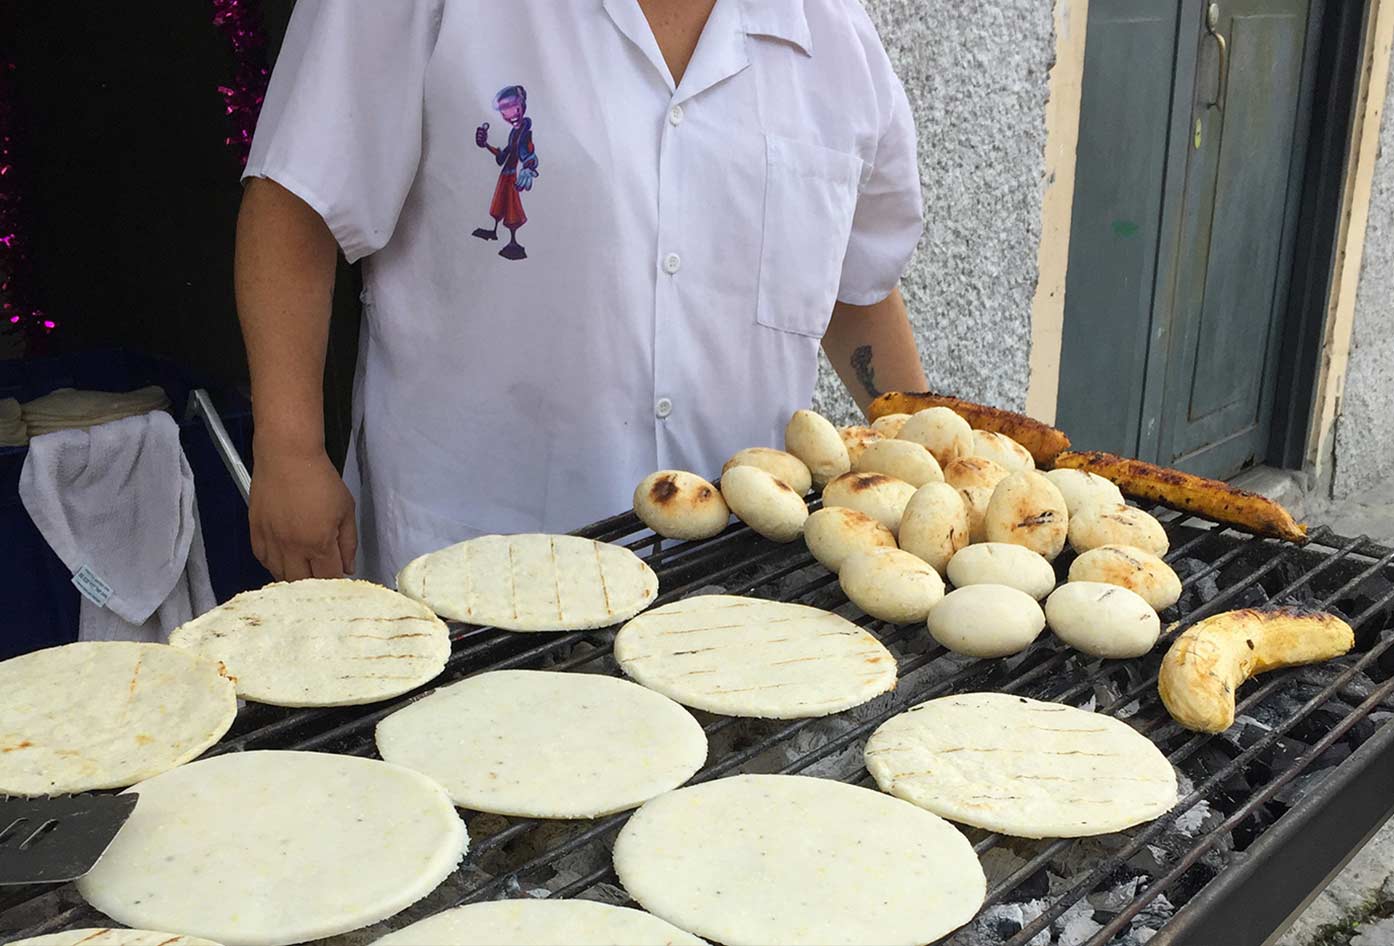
pixel 1270 809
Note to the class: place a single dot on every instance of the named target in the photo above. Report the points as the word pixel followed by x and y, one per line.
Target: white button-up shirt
pixel 679 246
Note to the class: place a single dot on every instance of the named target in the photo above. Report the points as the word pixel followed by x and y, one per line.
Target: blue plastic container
pixel 40 602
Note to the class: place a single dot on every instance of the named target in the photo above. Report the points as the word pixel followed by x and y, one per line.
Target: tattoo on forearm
pixel 861 364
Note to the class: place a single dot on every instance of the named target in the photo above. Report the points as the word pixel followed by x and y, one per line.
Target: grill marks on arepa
pixel 532 582
pixel 1021 767
pixel 110 936
pixel 321 642
pixel 140 710
pixel 747 657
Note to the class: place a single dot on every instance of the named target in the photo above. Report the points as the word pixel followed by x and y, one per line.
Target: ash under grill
pixel 1269 808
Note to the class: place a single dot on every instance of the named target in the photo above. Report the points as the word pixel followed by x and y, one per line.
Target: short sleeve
pixel 342 122
pixel 889 218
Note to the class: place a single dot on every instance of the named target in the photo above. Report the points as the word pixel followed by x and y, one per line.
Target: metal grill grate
pixel 1351 575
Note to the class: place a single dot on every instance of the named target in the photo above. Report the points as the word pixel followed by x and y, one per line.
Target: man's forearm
pixel 285 267
pixel 873 349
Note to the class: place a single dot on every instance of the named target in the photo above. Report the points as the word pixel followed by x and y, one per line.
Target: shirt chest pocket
pixel 810 198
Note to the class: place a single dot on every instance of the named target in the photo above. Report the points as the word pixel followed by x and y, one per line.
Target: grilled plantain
pixel 1044 442
pixel 1207 663
pixel 1210 499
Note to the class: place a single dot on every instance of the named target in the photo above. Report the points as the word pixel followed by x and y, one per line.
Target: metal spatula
pixel 53 840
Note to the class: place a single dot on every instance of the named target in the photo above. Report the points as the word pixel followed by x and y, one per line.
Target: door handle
pixel 1212 23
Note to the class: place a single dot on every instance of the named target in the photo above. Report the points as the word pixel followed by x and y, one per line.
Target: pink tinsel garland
pixel 240 21
pixel 18 312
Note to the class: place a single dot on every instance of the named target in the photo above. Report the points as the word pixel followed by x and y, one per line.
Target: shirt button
pixel 672 263
pixel 675 115
pixel 663 407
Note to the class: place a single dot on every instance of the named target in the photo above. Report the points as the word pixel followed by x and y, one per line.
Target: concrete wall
pixel 976 77
pixel 1364 450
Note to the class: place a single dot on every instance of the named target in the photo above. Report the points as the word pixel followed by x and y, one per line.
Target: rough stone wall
pixel 1365 427
pixel 976 77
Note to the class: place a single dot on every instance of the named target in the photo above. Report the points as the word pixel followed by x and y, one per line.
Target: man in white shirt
pixel 723 185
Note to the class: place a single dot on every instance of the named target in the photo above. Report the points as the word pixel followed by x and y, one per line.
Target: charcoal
pixel 1215 756
pixel 1291 572
pixel 1301 786
pixel 1374 592
pixel 1145 925
pixel 1036 886
pixel 1000 922
pixel 1082 857
pixel 999 861
pixel 1325 674
pixel 1114 899
pixel 1198 592
pixel 606 893
pixel 1076 924
pixel 1191 821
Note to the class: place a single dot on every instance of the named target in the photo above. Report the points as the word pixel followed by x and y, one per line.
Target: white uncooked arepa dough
pixel 102 936
pixel 546 745
pixel 750 657
pixel 106 714
pixel 272 848
pixel 321 642
pixel 541 923
pixel 760 859
pixel 1021 767
pixel 532 582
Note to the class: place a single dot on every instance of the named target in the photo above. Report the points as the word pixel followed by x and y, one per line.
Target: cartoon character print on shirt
pixel 517 169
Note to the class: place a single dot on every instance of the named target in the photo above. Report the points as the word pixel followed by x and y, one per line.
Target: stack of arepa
pixel 13 432
pixel 72 409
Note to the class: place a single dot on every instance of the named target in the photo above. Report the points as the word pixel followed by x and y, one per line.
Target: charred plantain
pixel 1210 499
pixel 1044 442
pixel 1207 663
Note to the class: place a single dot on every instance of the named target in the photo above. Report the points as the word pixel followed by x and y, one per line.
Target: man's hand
pixel 301 513
pixel 481 135
pixel 301 516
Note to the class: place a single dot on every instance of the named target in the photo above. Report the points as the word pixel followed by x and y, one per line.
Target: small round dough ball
pixel 1026 509
pixel 1083 489
pixel 935 525
pixel 1102 620
pixel 975 500
pixel 889 425
pixel 856 440
pixel 881 497
pixel 943 432
pixel 1117 524
pixel 997 563
pixel 891 585
pixel 901 459
pixel 766 504
pixel 986 621
pixel 814 440
pixel 835 532
pixel 975 471
pixel 777 463
pixel 1002 450
pixel 680 505
pixel 1130 567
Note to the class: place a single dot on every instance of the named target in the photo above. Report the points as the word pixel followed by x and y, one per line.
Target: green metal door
pixel 1179 276
pixel 1242 190
pixel 1118 230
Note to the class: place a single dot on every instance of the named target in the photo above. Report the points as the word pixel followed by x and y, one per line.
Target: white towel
pixel 116 503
